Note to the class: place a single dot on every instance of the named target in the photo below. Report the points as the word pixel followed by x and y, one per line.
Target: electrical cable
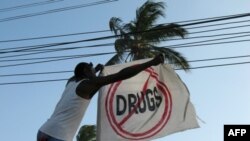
pixel 53 60
pixel 211 40
pixel 64 79
pixel 67 71
pixel 184 46
pixel 208 44
pixel 98 38
pixel 101 45
pixel 109 44
pixel 28 5
pixel 56 10
pixel 247 14
pixel 100 31
pixel 169 46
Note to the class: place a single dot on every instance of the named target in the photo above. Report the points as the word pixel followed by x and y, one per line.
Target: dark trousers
pixel 44 137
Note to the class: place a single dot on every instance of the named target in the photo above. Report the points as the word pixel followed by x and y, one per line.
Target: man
pixel 69 111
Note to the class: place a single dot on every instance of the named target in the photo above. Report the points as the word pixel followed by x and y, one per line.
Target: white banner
pixel 150 105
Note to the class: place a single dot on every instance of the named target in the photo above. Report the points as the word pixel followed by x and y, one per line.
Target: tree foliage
pixel 139 38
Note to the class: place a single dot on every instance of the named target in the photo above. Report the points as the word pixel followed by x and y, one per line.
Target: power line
pixel 23 48
pixel 38 48
pixel 64 43
pixel 43 58
pixel 218 29
pixel 60 59
pixel 64 79
pixel 49 51
pixel 219 65
pixel 54 36
pixel 220 24
pixel 208 44
pixel 219 58
pixel 27 82
pixel 195 37
pixel 100 31
pixel 218 39
pixel 191 61
pixel 38 73
pixel 169 46
pixel 29 5
pixel 109 44
pixel 175 47
pixel 212 18
pixel 56 10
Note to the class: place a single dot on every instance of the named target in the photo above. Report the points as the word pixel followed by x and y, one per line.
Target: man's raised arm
pixel 128 72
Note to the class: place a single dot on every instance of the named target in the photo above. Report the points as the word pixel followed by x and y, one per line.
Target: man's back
pixel 67 115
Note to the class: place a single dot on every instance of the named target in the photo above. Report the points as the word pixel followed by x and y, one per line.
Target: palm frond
pixel 141 44
pixel 148 13
pixel 163 32
pixel 142 53
pixel 115 25
pixel 129 27
pixel 121 45
pixel 174 58
pixel 116 59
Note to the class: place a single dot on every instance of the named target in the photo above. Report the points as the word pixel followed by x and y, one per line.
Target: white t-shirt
pixel 67 115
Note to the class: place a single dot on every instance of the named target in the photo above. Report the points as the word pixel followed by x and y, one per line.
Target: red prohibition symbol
pixel 118 126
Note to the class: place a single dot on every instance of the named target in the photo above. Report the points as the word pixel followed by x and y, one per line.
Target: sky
pixel 220 95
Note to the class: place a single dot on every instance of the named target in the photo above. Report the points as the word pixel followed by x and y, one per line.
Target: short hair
pixel 79 69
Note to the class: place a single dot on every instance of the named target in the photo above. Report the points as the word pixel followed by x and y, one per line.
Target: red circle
pixel 149 133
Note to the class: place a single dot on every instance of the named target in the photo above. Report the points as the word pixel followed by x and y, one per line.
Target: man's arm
pixel 86 89
pixel 127 72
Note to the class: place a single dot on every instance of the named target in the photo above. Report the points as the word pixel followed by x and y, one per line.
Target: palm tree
pixel 87 133
pixel 138 39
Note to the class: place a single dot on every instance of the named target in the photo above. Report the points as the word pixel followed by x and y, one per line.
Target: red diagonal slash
pixel 151 71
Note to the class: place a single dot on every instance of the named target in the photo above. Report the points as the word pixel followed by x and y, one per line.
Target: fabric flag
pixel 150 105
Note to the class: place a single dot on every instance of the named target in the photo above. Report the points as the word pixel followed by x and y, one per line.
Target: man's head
pixel 84 69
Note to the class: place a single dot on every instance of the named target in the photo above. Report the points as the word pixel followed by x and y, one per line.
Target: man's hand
pixel 99 67
pixel 159 59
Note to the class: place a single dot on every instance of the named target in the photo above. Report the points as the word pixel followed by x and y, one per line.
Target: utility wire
pixel 220 24
pixel 102 45
pixel 168 40
pixel 65 43
pixel 67 71
pixel 19 49
pixel 208 44
pixel 100 31
pixel 38 48
pixel 60 59
pixel 114 36
pixel 49 51
pixel 169 46
pixel 211 18
pixel 56 10
pixel 28 5
pixel 109 44
pixel 219 65
pixel 54 36
pixel 91 55
pixel 28 82
pixel 54 80
pixel 218 29
pixel 204 41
